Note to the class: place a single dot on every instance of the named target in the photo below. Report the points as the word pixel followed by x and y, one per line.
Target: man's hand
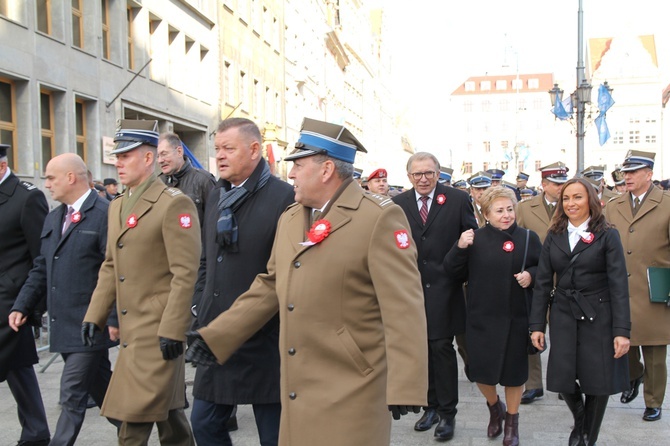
pixel 113 333
pixel 16 319
pixel 399 410
pixel 198 352
pixel 171 349
pixel 88 330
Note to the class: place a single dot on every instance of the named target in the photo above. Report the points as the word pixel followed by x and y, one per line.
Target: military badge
pixel 185 221
pixel 132 221
pixel 402 239
pixel 587 237
pixel 76 217
pixel 441 199
pixel 508 246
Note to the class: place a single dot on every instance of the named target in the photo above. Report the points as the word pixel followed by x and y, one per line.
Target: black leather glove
pixel 88 330
pixel 198 352
pixel 171 349
pixel 399 410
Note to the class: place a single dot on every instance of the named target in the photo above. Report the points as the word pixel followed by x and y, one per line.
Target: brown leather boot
pixel 511 437
pixel 497 414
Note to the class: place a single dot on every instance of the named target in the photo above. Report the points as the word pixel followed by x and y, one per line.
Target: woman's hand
pixel 523 278
pixel 537 337
pixel 621 346
pixel 467 238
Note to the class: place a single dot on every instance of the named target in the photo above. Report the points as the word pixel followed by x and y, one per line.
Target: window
pixel 501 85
pixel 7 119
pixel 80 127
pixel 130 20
pixel 157 49
pixel 104 8
pixel 228 84
pixel 634 137
pixel 504 145
pixel 258 98
pixel 243 91
pixel 467 106
pixel 538 165
pixel 467 168
pixel 517 84
pixel 504 165
pixel 77 24
pixel 534 83
pixel 269 106
pixel 520 166
pixel 43 15
pixel 469 86
pixel 487 146
pixel 504 105
pixel 486 105
pixel 485 165
pixel 650 139
pixel 47 126
pixel 278 110
pixel 618 137
pixel 485 85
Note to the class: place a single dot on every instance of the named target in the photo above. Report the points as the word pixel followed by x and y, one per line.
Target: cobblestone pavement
pixel 546 422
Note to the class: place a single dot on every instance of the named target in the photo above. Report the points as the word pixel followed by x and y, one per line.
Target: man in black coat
pixel 23 208
pixel 74 237
pixel 251 199
pixel 437 215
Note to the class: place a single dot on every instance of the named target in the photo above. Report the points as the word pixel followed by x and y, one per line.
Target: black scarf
pixel 230 200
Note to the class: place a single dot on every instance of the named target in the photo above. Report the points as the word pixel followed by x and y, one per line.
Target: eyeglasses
pixel 417 175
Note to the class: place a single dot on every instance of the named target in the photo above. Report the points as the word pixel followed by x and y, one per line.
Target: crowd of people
pixel 334 304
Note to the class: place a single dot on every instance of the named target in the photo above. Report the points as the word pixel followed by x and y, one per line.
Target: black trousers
pixel 209 423
pixel 84 373
pixel 23 384
pixel 442 377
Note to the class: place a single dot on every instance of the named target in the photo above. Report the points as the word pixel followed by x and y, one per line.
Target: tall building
pixel 71 69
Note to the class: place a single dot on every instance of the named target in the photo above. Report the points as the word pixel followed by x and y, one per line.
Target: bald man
pixel 74 237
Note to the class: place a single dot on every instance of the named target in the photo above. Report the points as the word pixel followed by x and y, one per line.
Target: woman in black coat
pixel 491 259
pixel 590 315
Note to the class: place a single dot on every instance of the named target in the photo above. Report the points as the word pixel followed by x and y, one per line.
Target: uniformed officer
pixel 378 182
pixel 642 217
pixel 343 366
pixel 619 180
pixel 150 267
pixel 23 209
pixel 496 176
pixel 597 174
pixel 445 175
pixel 479 183
pixel 461 184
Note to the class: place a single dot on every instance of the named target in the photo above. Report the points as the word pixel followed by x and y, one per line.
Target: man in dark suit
pixel 73 248
pixel 23 208
pixel 227 269
pixel 437 215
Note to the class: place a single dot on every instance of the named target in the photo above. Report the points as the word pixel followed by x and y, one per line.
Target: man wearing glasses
pixel 437 215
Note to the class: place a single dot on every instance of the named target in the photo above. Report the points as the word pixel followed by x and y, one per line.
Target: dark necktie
pixel 636 205
pixel 68 219
pixel 423 212
pixel 316 215
pixel 552 206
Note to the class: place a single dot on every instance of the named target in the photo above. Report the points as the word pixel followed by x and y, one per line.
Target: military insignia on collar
pixel 508 246
pixel 76 217
pixel 402 239
pixel 441 199
pixel 132 221
pixel 185 221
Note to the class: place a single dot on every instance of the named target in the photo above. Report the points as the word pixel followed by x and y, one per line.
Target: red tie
pixel 423 212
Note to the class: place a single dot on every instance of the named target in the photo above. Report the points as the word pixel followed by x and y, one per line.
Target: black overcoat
pixel 23 208
pixel 251 375
pixel 497 306
pixel 66 271
pixel 596 286
pixel 444 301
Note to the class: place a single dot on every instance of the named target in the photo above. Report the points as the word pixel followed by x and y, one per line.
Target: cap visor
pixel 125 146
pixel 299 153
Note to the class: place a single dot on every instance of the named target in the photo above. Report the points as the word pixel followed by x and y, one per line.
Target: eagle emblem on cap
pixel 402 239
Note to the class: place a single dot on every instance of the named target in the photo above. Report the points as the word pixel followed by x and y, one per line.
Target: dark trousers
pixel 209 423
pixel 175 431
pixel 442 377
pixel 654 371
pixel 84 373
pixel 23 384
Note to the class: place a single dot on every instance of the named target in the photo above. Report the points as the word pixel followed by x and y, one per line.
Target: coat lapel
pixel 144 204
pixel 540 211
pixel 435 207
pixel 413 208
pixel 85 207
pixel 563 243
pixel 652 200
pixel 622 206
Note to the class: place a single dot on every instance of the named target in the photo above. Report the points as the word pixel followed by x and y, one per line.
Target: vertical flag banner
pixel 605 102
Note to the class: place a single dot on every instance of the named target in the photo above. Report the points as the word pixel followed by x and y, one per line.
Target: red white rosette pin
pixel 587 237
pixel 131 222
pixel 76 217
pixel 317 233
pixel 508 246
pixel 441 199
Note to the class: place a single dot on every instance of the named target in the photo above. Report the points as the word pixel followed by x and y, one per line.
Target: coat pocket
pixel 354 352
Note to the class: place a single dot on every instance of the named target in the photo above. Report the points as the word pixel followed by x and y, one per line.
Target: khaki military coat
pixel 532 214
pixel 150 270
pixel 646 242
pixel 352 322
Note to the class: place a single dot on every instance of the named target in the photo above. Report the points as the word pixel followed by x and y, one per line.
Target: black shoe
pixel 33 443
pixel 427 420
pixel 629 395
pixel 531 395
pixel 445 429
pixel 231 425
pixel 560 397
pixel 652 414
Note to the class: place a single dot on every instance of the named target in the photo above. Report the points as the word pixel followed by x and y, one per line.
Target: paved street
pixel 547 422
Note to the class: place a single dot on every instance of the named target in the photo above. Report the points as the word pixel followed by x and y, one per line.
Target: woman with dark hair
pixel 590 315
pixel 499 262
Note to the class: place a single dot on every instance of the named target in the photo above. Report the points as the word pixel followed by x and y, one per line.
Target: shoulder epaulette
pixel 173 191
pixel 26 185
pixel 380 200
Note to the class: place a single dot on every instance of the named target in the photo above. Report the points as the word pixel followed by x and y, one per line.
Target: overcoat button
pixel 629 252
pixel 631 230
pixel 297 264
pixel 292 395
pixel 425 261
pixel 124 311
pixel 216 294
pixel 125 345
pixel 55 257
pixel 290 307
pixel 122 278
pixel 582 318
pixel 120 245
pixel 628 274
pixel 427 285
pixel 219 259
pixel 291 351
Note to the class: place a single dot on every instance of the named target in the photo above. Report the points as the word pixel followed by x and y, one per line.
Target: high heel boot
pixel 576 405
pixel 497 415
pixel 594 409
pixel 511 437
